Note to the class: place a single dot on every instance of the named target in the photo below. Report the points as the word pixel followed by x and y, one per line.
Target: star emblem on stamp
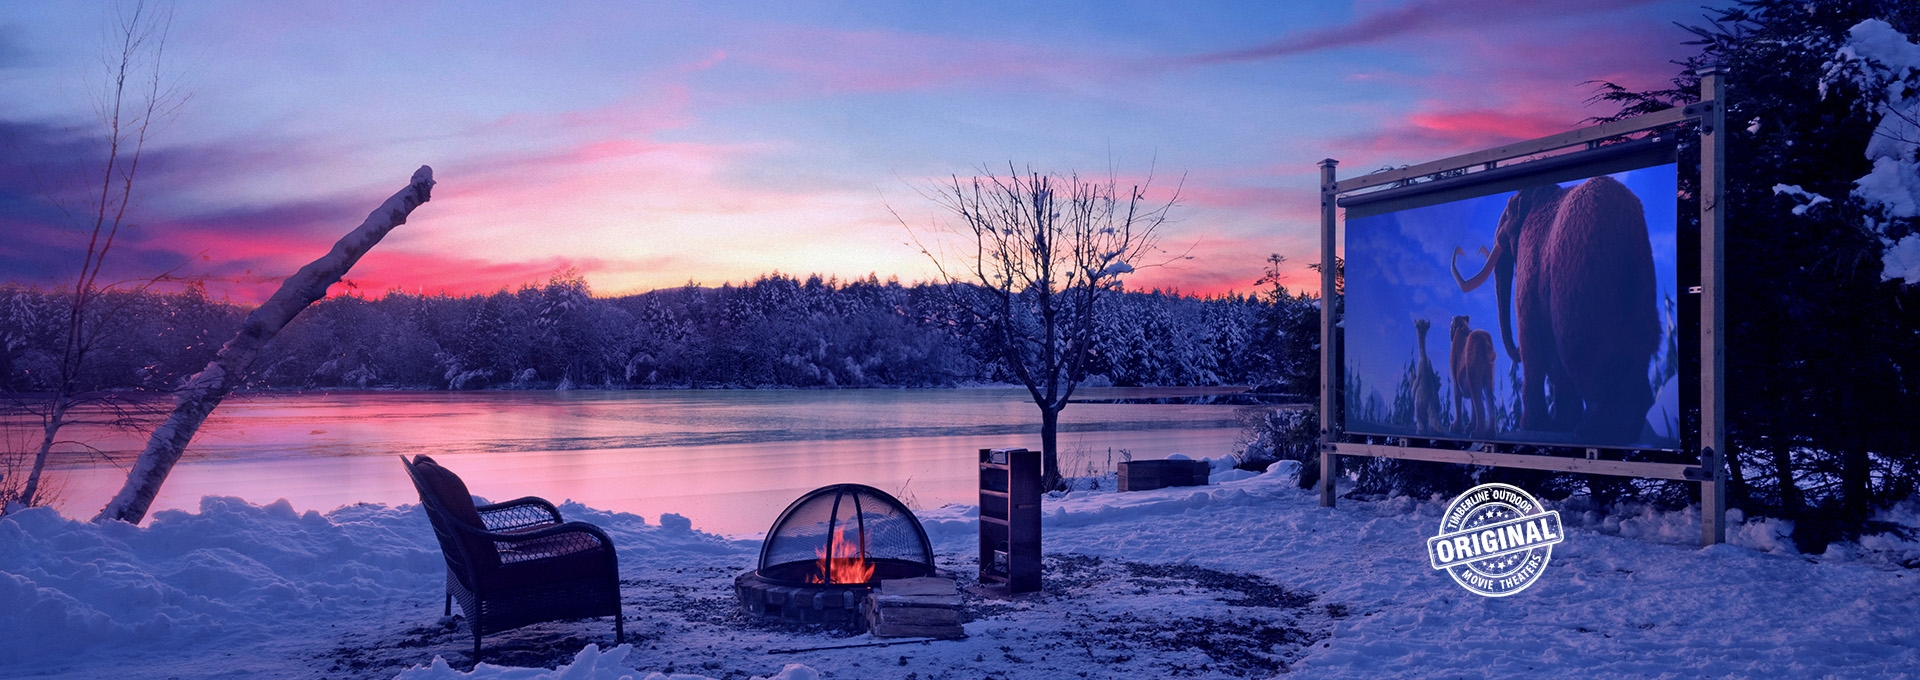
pixel 1495 540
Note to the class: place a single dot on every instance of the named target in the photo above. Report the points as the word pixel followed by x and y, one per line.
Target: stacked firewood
pixel 915 607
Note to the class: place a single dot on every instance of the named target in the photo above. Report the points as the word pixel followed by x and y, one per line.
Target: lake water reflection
pixel 729 460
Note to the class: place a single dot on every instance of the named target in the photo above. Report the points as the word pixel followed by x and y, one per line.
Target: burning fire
pixel 837 567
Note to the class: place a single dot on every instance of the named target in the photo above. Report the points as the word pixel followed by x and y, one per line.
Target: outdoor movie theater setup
pixel 1529 296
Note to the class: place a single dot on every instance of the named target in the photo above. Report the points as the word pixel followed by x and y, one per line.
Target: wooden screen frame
pixel 1711 472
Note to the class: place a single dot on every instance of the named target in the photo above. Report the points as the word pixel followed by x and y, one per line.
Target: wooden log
pixel 890 616
pixel 898 623
pixel 916 607
pixel 925 585
pixel 942 632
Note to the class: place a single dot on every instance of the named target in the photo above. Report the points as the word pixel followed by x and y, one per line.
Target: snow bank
pixel 261 591
pixel 199 578
pixel 1628 595
pixel 589 664
pixel 238 575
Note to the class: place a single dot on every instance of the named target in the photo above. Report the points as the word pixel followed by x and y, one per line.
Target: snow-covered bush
pixel 1273 435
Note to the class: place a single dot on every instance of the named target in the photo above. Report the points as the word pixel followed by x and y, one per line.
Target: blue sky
pixel 649 144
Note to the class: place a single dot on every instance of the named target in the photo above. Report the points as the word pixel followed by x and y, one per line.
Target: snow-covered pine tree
pixel 1823 358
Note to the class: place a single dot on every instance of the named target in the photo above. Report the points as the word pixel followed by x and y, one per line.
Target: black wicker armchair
pixel 516 563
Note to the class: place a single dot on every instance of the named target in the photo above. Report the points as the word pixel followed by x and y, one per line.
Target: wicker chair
pixel 516 563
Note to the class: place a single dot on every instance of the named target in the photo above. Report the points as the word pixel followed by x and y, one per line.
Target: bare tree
pixel 1039 255
pixel 204 391
pixel 137 99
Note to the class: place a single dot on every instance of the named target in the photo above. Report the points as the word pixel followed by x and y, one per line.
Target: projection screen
pixel 1548 295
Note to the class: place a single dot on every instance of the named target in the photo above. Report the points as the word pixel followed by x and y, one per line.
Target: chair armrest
pixel 519 514
pixel 552 531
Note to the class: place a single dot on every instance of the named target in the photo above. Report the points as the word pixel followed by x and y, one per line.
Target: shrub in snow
pixel 1278 434
pixel 1284 468
pixel 1230 474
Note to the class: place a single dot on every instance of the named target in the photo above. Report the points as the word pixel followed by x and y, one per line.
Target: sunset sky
pixel 651 144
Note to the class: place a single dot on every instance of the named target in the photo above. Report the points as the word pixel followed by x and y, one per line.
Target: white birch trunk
pixel 204 390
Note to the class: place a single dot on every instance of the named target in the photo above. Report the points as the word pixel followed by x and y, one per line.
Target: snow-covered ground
pixel 1245 578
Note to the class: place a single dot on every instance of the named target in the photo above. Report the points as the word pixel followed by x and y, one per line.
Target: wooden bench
pixel 1144 475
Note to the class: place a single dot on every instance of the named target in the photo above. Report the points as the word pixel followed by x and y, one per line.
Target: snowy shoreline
pixel 1245 578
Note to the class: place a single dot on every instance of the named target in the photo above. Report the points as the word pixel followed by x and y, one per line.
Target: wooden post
pixel 1327 259
pixel 1713 383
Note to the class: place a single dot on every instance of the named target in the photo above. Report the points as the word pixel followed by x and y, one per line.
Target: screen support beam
pixel 1591 466
pixel 1328 218
pixel 1491 158
pixel 1713 316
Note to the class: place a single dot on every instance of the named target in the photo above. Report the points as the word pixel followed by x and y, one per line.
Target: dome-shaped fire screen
pixel 845 533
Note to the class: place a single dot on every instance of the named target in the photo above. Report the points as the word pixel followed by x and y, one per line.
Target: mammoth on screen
pixel 1543 314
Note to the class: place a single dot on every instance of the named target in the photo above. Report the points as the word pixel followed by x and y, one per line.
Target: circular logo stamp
pixel 1495 540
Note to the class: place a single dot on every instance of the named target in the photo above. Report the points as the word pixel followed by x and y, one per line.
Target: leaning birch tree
pixel 203 391
pixel 1038 255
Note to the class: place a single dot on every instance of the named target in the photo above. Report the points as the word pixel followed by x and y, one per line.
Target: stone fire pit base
pixel 831 604
pixel 781 593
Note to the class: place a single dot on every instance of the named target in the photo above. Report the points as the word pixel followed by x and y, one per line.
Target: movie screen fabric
pixel 1544 315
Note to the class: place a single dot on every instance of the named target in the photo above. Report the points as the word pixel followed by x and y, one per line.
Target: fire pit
pixel 827 550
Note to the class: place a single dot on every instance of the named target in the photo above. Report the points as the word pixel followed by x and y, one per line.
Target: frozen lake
pixel 729 460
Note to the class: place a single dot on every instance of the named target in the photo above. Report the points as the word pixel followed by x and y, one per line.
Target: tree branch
pixel 204 391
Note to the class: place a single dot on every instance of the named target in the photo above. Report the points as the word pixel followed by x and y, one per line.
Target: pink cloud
pixel 1224 263
pixel 1226 223
pixel 1442 132
pixel 579 144
pixel 243 254
pixel 1413 18
pixel 383 270
pixel 433 274
pixel 1268 202
pixel 1637 52
pixel 1521 87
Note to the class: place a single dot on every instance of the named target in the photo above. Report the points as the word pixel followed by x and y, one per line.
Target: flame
pixel 837 567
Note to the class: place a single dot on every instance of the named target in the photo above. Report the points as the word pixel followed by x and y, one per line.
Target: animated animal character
pixel 1575 267
pixel 1426 388
pixel 1471 367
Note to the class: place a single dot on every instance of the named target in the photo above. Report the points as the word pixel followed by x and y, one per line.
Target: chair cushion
pixel 556 545
pixel 564 557
pixel 447 488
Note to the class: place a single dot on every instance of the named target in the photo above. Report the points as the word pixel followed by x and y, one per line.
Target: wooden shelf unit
pixel 1010 519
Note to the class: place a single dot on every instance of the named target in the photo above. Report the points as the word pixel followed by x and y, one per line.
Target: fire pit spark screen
pixel 827 550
